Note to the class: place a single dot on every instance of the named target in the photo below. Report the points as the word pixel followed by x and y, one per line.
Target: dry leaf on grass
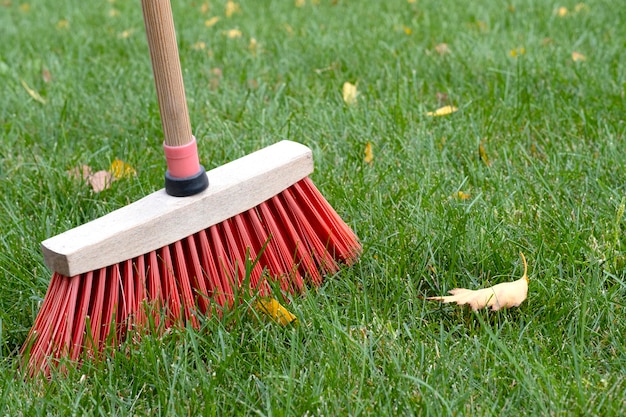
pixel 101 180
pixel 349 92
pixel 369 153
pixel 442 111
pixel 503 295
pixel 274 310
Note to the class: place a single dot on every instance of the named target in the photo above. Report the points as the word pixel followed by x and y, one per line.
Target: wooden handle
pixel 168 76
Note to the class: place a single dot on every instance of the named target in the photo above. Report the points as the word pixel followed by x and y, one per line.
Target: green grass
pixel 368 343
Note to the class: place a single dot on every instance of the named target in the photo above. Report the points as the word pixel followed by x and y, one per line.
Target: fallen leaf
pixel 442 48
pixel 349 93
pixel 46 76
pixel 517 52
pixel 300 3
pixel 120 169
pixel 503 295
pixel 462 195
pixel 198 46
pixel 231 8
pixel 369 154
pixel 482 153
pixel 407 30
pixel 100 180
pixel 63 24
pixel 562 11
pixel 578 57
pixel 442 111
pixel 272 308
pixel 253 46
pixel 211 22
pixel 233 33
pixel 34 95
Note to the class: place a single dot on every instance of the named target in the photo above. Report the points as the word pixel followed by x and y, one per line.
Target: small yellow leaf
pixel 442 48
pixel 204 8
pixel 407 30
pixel 35 95
pixel 211 22
pixel 462 195
pixel 581 7
pixel 63 24
pixel 231 8
pixel 126 34
pixel 300 3
pixel 198 46
pixel 517 52
pixel 562 11
pixel 442 111
pixel 233 33
pixel 503 295
pixel 369 153
pixel 578 57
pixel 275 311
pixel 349 93
pixel 253 46
pixel 482 153
pixel 120 169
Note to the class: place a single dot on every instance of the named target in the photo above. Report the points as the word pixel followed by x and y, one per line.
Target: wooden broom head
pixel 240 237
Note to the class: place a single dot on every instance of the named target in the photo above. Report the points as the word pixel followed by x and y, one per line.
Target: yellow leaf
pixel 233 33
pixel 300 3
pixel 581 7
pixel 562 11
pixel 442 48
pixel 63 24
pixel 442 111
pixel 275 311
pixel 198 46
pixel 211 22
pixel 349 93
pixel 462 195
pixel 503 295
pixel 407 30
pixel 231 8
pixel 253 46
pixel 578 57
pixel 483 153
pixel 369 154
pixel 35 95
pixel 517 52
pixel 204 8
pixel 120 169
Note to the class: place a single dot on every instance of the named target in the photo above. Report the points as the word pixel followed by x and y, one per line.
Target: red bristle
pixel 111 300
pixel 298 232
pixel 195 272
pixel 286 267
pixel 79 329
pixel 216 292
pixel 292 237
pixel 171 297
pixel 155 292
pixel 181 277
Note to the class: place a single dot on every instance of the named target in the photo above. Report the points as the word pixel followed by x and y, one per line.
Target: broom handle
pixel 168 76
pixel 185 176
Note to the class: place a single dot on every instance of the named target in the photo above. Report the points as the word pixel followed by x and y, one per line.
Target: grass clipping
pixel 503 295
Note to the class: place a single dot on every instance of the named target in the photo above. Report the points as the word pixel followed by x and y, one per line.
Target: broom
pixel 185 251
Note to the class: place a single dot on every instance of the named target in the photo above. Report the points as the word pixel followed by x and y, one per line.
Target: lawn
pixel 531 161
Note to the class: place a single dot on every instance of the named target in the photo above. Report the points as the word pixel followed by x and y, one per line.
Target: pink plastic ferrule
pixel 182 161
